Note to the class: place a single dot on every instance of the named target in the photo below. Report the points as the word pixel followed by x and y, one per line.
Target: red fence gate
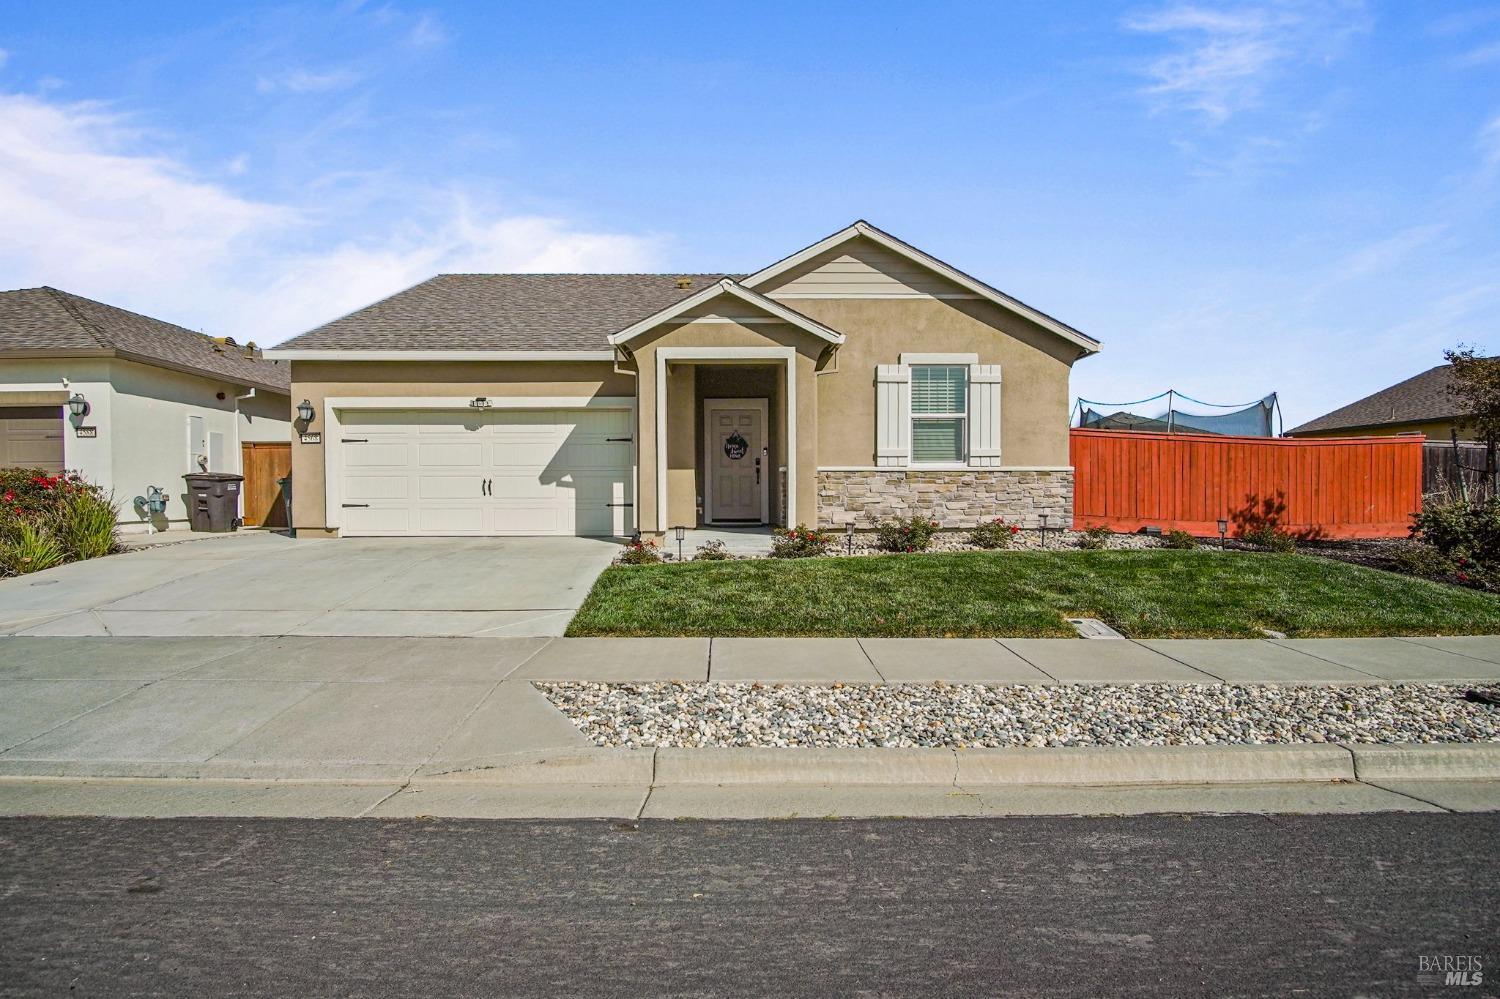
pixel 1353 487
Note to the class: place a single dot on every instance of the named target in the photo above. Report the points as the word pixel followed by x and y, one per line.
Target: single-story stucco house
pixel 1422 404
pixel 856 380
pixel 154 401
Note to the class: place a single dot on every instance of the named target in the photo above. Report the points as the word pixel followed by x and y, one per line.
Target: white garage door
pixel 445 472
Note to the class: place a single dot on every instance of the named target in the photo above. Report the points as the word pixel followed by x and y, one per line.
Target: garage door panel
pixel 376 455
pixel 449 487
pixel 358 488
pixel 433 454
pixel 548 472
pixel 441 519
pixel 378 520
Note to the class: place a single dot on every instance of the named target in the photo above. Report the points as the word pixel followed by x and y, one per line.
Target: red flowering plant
pixel 993 534
pixel 47 518
pixel 800 542
pixel 905 534
pixel 640 552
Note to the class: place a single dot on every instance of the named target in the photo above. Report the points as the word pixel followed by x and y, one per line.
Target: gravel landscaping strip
pixel 675 714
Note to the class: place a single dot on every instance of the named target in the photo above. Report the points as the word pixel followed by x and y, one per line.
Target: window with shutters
pixel 939 413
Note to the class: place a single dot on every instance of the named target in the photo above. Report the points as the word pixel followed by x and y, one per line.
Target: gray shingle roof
pixel 504 312
pixel 57 321
pixel 1421 397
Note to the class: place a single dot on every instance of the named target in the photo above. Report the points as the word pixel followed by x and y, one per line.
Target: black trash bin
pixel 213 501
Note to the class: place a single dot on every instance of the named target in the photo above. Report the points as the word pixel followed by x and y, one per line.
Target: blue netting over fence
pixel 1171 412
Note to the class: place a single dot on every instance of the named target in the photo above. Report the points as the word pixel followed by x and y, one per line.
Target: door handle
pixel 757 471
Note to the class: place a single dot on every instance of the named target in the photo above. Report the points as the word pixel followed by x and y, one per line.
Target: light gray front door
pixel 735 460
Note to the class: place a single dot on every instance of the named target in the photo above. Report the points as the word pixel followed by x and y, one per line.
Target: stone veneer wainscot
pixel 957 498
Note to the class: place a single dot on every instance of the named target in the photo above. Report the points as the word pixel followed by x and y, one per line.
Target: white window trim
pixel 333 428
pixel 966 361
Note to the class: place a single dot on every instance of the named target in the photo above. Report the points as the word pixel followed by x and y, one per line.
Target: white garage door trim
pixel 333 431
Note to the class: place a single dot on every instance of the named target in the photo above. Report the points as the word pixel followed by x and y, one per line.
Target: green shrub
pixel 1095 538
pixel 1178 539
pixel 29 547
pixel 800 542
pixel 641 552
pixel 993 534
pixel 1422 559
pixel 1267 536
pixel 86 525
pixel 712 551
pixel 1471 530
pixel 905 534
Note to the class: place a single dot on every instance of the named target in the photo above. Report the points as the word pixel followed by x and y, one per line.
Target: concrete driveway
pixel 257 584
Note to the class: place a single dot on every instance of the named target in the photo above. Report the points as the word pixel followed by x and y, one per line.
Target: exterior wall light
pixel 305 411
pixel 679 533
pixel 1223 530
pixel 78 405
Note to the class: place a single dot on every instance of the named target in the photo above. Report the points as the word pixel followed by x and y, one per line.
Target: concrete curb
pixel 964 768
pixel 1471 761
pixel 1155 765
pixel 997 767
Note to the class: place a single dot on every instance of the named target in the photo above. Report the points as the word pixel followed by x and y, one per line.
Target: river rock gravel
pixel 677 714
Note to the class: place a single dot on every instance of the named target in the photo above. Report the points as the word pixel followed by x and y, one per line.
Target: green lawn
pixel 1143 594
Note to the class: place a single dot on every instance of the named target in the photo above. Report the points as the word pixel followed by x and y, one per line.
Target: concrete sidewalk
pixel 454 726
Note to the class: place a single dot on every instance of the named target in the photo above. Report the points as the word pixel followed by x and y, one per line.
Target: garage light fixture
pixel 78 405
pixel 305 411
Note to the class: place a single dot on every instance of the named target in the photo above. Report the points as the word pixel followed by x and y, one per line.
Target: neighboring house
pixel 855 380
pixel 159 400
pixel 1421 404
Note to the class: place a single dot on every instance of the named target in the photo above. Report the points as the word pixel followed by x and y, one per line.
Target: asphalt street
pixel 1153 905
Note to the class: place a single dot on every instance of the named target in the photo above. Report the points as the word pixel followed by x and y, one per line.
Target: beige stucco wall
pixel 141 414
pixel 1035 365
pixel 681 483
pixel 320 380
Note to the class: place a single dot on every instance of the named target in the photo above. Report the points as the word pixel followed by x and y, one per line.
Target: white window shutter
pixel 984 415
pixel 892 415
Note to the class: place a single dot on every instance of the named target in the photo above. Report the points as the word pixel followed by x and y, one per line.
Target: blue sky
pixel 1236 198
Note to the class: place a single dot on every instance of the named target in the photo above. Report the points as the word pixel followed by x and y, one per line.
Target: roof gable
pixel 731 288
pixel 905 251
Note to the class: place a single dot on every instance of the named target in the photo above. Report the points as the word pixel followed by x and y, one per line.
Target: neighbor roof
pixel 504 312
pixel 1421 397
pixel 52 322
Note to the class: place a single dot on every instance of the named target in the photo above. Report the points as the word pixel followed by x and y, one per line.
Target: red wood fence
pixel 1353 487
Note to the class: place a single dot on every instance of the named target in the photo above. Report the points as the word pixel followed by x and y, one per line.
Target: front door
pixel 736 475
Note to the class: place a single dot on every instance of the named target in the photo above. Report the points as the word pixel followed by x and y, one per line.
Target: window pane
pixel 937 440
pixel 939 388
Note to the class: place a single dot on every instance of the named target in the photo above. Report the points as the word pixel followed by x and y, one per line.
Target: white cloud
pixel 1483 55
pixel 90 207
pixel 1489 143
pixel 1225 57
pixel 305 81
pixel 1383 254
pixel 427 33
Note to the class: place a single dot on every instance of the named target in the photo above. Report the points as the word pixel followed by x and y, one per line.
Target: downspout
pixel 239 448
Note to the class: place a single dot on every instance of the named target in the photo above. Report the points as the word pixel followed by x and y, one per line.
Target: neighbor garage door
pixel 444 472
pixel 31 437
